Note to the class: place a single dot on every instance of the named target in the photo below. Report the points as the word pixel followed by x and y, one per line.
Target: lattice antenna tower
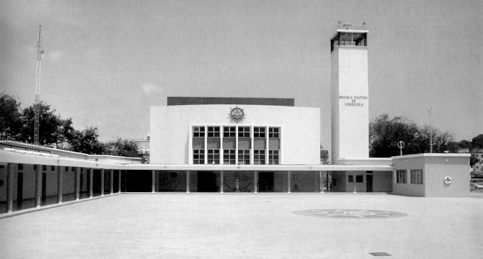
pixel 38 67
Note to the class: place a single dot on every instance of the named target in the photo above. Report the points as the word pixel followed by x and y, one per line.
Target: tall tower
pixel 350 94
pixel 38 68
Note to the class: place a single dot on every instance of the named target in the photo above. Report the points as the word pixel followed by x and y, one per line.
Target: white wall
pixel 170 125
pixel 350 103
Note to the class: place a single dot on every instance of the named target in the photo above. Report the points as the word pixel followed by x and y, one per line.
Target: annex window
pixel 198 156
pixel 259 157
pixel 401 176
pixel 351 178
pixel 273 132
pixel 20 167
pixel 199 132
pixel 229 157
pixel 213 156
pixel 243 132
pixel 359 178
pixel 243 157
pixel 416 176
pixel 259 132
pixel 229 132
pixel 213 132
pixel 273 157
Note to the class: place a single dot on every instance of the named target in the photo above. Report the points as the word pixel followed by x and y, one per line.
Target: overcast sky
pixel 107 61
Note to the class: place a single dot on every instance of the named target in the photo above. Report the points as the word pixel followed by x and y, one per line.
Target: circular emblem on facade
pixel 448 180
pixel 237 114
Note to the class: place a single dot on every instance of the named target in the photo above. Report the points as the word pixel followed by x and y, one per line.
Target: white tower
pixel 350 94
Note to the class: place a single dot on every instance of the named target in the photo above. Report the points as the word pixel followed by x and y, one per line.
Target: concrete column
pixel 38 185
pixel 102 182
pixel 221 181
pixel 236 145
pixel 255 181
pixel 120 179
pixel 267 146
pixel 91 182
pixel 206 145
pixel 222 138
pixel 77 183
pixel 60 177
pixel 288 182
pixel 10 176
pixel 187 181
pixel 112 181
pixel 251 145
pixel 153 179
pixel 321 183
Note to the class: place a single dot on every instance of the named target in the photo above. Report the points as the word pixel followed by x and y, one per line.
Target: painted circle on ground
pixel 351 213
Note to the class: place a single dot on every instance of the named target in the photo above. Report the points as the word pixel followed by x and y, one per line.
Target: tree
pixel 52 128
pixel 122 147
pixel 87 141
pixel 477 142
pixel 10 119
pixel 385 133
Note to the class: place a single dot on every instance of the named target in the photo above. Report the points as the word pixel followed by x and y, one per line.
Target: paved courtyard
pixel 249 226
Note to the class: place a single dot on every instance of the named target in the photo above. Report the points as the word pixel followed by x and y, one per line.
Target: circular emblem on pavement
pixel 351 213
pixel 237 114
pixel 448 180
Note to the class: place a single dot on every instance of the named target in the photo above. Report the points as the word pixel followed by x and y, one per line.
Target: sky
pixel 106 62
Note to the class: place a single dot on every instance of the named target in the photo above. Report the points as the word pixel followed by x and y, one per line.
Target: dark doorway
pixel 265 181
pixel 116 181
pixel 20 188
pixel 207 182
pixel 137 180
pixel 369 182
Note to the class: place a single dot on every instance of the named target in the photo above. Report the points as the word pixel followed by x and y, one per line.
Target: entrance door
pixel 369 183
pixel 207 182
pixel 265 181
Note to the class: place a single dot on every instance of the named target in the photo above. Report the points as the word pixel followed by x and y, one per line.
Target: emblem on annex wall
pixel 237 114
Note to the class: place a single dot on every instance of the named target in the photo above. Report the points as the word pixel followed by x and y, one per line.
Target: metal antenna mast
pixel 38 66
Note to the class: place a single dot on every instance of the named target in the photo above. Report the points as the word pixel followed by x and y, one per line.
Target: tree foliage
pixel 10 119
pixel 87 141
pixel 122 147
pixel 385 133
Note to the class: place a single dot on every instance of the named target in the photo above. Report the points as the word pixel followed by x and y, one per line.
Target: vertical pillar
pixel 206 146
pixel 252 140
pixel 112 180
pixel 77 183
pixel 288 182
pixel 221 181
pixel 153 179
pixel 236 145
pixel 255 181
pixel 38 185
pixel 267 146
pixel 222 138
pixel 91 182
pixel 187 181
pixel 60 185
pixel 321 182
pixel 10 175
pixel 120 178
pixel 102 182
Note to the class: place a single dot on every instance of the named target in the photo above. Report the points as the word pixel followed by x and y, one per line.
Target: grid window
pixel 20 166
pixel 243 157
pixel 199 132
pixel 229 157
pixel 274 132
pixel 198 156
pixel 44 167
pixel 259 132
pixel 243 132
pixel 273 157
pixel 416 176
pixel 229 132
pixel 213 156
pixel 259 157
pixel 351 178
pixel 213 132
pixel 401 176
